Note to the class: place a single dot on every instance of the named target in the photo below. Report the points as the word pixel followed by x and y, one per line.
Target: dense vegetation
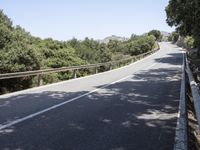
pixel 173 37
pixel 157 34
pixel 20 51
pixel 185 16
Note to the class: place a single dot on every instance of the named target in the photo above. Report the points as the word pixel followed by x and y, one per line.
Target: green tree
pixel 170 38
pixel 189 42
pixel 157 34
pixel 20 51
pixel 141 45
pixel 185 16
pixel 175 36
pixel 103 54
pixel 63 58
pixel 5 36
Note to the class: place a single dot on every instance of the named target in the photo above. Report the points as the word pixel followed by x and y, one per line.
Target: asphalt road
pixel 131 108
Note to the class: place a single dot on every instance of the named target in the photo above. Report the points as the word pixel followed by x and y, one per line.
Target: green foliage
pixel 189 42
pixel 157 34
pixel 5 35
pixel 185 16
pixel 5 20
pixel 175 36
pixel 20 51
pixel 141 45
pixel 63 58
pixel 170 38
pixel 103 54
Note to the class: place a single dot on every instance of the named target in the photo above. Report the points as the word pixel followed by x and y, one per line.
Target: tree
pixel 20 51
pixel 5 20
pixel 103 54
pixel 175 36
pixel 5 36
pixel 157 34
pixel 185 16
pixel 141 45
pixel 63 58
pixel 170 38
pixel 189 42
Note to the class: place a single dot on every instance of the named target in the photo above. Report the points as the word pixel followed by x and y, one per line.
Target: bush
pixel 157 34
pixel 175 37
pixel 189 42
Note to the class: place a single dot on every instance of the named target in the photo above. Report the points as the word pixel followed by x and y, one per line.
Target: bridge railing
pixel 74 69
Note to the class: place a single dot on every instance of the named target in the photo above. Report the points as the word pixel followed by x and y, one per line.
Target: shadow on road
pixel 173 59
pixel 136 114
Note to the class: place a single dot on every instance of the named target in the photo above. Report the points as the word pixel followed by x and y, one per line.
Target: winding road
pixel 131 108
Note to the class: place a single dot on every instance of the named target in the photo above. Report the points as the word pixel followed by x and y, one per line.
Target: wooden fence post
pixel 74 74
pixel 40 81
pixel 132 60
pixel 110 67
pixel 96 69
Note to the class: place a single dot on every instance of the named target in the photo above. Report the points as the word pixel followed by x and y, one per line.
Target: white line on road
pixel 63 103
pixel 58 105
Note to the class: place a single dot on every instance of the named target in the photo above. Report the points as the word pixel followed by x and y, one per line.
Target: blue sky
pixel 65 19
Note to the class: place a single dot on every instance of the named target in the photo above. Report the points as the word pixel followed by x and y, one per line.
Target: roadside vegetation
pixel 20 51
pixel 184 15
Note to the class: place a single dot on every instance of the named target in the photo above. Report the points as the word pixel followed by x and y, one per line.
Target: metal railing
pixel 195 94
pixel 181 140
pixel 39 73
pixel 188 85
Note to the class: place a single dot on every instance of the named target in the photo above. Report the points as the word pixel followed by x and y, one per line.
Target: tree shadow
pixel 139 113
pixel 173 59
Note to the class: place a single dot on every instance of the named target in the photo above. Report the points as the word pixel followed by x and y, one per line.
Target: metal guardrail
pixel 195 94
pixel 39 73
pixel 181 140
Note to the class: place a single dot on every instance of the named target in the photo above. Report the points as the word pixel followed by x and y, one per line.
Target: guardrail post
pixel 110 67
pixel 118 65
pixel 74 74
pixel 132 60
pixel 40 81
pixel 96 69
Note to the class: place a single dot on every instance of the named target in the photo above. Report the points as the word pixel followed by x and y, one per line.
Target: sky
pixel 65 19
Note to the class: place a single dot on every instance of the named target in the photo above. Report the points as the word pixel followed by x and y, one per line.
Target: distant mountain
pixel 118 38
pixel 113 37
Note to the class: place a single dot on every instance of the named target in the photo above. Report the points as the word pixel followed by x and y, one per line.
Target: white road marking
pixel 58 105
pixel 63 103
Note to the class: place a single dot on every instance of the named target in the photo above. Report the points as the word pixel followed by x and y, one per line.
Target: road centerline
pixel 4 126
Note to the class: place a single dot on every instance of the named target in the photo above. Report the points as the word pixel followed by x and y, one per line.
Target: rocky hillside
pixel 113 37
